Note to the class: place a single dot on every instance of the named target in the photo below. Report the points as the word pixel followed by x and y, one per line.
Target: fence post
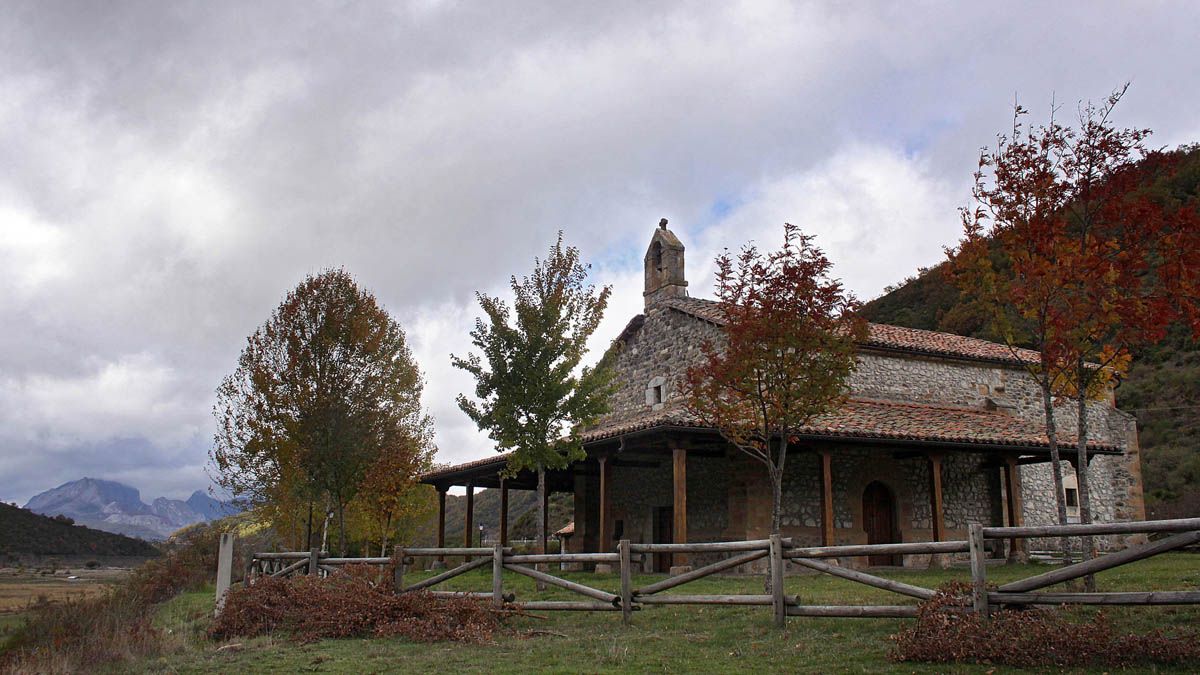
pixel 626 581
pixel 224 569
pixel 497 576
pixel 978 570
pixel 314 557
pixel 777 597
pixel 398 572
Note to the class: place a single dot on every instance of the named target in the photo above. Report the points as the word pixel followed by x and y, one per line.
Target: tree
pixel 324 387
pixel 532 395
pixel 790 334
pixel 388 498
pixel 1068 254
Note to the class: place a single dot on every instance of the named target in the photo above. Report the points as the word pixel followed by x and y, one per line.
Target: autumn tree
pixel 790 334
pixel 389 501
pixel 1091 269
pixel 322 390
pixel 531 392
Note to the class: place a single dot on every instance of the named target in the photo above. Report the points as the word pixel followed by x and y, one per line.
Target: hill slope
pixel 28 534
pixel 1162 388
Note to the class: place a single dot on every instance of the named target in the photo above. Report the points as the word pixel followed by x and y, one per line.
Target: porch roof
pixel 861 420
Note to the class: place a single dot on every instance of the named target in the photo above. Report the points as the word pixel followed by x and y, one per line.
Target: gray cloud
pixel 171 170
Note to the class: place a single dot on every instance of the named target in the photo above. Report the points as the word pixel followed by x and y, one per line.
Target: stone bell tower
pixel 664 267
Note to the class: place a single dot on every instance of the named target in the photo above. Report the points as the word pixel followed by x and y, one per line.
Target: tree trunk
pixel 308 526
pixel 1087 545
pixel 1055 460
pixel 341 515
pixel 542 515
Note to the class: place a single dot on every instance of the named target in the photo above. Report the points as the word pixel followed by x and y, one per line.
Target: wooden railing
pixel 627 599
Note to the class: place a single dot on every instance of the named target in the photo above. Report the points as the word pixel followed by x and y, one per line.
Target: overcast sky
pixel 169 170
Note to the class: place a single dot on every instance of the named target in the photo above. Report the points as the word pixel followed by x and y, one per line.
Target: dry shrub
pixel 355 602
pixel 945 633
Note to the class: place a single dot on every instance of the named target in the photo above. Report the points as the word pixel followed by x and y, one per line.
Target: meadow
pixel 660 639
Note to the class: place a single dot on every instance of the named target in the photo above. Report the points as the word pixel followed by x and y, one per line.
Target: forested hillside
pixel 24 533
pixel 1162 388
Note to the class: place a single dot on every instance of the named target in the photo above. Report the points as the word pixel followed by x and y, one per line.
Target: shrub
pixel 355 602
pixel 946 633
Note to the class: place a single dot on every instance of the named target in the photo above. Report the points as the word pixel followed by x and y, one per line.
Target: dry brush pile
pixel 945 632
pixel 354 602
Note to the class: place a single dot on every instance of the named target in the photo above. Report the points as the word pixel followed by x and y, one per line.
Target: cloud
pixel 172 170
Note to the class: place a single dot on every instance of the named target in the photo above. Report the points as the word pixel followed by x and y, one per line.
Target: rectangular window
pixel 1072 498
pixel 658 394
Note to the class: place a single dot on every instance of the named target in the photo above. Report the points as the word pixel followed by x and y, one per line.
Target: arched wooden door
pixel 879 520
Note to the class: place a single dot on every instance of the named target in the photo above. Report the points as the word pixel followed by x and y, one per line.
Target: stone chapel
pixel 939 431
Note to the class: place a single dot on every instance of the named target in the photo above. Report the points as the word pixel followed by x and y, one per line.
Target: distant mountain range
pixel 115 507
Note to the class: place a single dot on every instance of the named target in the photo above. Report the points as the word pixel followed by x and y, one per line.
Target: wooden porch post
pixel 441 536
pixel 1014 507
pixel 679 506
pixel 605 504
pixel 935 497
pixel 503 512
pixel 826 498
pixel 470 521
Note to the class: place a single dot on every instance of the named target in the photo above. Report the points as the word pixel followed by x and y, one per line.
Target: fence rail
pixel 778 550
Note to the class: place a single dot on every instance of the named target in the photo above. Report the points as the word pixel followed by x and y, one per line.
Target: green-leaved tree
pixel 531 393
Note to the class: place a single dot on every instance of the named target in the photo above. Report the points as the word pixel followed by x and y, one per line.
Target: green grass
pixel 661 639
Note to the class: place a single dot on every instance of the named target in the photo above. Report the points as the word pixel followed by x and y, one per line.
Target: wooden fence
pixel 627 599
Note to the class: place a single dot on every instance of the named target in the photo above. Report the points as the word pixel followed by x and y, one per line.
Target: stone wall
pixel 669 341
pixel 665 346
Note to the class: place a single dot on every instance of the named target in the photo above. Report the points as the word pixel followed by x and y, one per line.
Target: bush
pixel 946 633
pixel 355 602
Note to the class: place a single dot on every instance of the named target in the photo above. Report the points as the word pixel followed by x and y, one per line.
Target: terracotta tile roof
pixel 864 419
pixel 889 337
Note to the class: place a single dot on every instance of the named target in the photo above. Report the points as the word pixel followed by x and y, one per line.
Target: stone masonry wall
pixel 669 341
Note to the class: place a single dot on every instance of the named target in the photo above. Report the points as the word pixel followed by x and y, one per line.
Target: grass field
pixel 661 639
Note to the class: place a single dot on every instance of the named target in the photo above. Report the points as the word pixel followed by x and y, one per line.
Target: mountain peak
pixel 116 507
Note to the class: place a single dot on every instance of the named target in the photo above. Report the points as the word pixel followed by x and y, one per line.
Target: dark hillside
pixel 1162 388
pixel 25 533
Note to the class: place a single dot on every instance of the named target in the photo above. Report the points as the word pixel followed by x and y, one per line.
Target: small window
pixel 1072 498
pixel 658 394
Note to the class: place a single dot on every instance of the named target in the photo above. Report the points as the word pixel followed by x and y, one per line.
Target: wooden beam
pixel 868 579
pixel 441 536
pixel 1134 598
pixel 1102 563
pixel 826 498
pixel 468 538
pixel 679 503
pixel 504 512
pixel 605 505
pixel 1014 506
pixel 936 505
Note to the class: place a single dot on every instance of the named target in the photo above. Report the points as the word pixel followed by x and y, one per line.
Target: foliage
pixel 789 347
pixel 390 502
pixel 1096 267
pixel 1031 638
pixel 533 394
pixel 354 602
pixel 1159 387
pixel 323 390
pixel 29 534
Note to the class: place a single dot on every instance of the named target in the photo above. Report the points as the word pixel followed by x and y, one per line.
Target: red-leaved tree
pixel 789 348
